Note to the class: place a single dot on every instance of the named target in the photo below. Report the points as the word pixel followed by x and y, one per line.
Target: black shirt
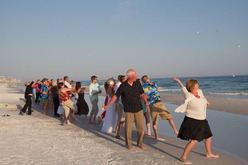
pixel 54 91
pixel 130 96
pixel 29 90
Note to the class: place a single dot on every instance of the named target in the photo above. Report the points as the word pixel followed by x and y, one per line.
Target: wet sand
pixel 231 105
pixel 41 139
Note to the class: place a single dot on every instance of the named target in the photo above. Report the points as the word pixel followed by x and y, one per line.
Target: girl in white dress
pixel 110 120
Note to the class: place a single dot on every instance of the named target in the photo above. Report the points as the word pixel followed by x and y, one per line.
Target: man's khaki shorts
pixel 159 109
pixel 46 102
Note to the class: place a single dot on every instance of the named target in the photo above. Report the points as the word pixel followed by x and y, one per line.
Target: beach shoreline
pixel 231 105
pixel 46 139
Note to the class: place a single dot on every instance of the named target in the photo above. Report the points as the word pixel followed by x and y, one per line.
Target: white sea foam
pixel 170 90
pixel 227 94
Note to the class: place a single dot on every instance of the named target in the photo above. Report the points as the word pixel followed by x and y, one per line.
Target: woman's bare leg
pixel 208 148
pixel 187 149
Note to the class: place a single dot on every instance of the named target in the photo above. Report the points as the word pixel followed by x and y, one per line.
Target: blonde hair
pixel 26 83
pixel 190 84
pixel 54 83
pixel 111 82
pixel 72 82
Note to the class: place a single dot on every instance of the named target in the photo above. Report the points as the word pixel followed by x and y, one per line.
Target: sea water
pixel 217 86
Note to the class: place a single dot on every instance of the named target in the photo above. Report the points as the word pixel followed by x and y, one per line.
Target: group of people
pixel 59 95
pixel 127 101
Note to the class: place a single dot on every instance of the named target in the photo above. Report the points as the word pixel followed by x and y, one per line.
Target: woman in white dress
pixel 110 120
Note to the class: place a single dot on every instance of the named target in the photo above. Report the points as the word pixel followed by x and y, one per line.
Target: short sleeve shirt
pixel 130 96
pixel 93 89
pixel 44 89
pixel 150 89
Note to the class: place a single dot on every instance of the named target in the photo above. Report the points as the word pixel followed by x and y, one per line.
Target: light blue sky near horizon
pixel 106 38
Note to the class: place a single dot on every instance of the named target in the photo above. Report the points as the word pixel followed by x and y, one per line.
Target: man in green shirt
pixel 94 90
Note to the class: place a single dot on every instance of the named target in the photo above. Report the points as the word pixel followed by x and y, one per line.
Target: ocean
pixel 217 86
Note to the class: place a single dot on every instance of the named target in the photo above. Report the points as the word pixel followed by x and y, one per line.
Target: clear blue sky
pixel 160 38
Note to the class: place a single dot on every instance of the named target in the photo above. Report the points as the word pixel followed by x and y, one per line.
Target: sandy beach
pixel 41 139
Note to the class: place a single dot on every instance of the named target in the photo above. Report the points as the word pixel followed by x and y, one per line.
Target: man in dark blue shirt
pixel 130 92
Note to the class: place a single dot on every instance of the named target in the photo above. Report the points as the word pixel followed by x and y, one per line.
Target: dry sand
pixel 41 139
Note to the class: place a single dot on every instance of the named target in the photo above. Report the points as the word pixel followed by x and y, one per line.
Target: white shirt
pixel 68 84
pixel 196 107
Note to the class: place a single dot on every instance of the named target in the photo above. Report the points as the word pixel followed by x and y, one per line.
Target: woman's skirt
pixel 194 129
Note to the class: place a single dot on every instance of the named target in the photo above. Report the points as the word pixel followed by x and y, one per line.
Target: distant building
pixel 10 79
pixel 2 79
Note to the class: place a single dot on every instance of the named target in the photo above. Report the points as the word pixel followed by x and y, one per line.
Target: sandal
pixel 117 137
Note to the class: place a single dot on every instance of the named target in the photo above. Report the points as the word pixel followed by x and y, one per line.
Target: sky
pixel 158 38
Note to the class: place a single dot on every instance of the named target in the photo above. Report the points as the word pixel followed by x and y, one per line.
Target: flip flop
pixel 117 137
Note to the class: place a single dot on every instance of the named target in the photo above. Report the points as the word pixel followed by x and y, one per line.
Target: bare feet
pixel 212 156
pixel 184 160
pixel 142 147
pixel 99 120
pixel 94 122
pixel 85 118
pixel 160 139
pixel 149 134
pixel 74 117
pixel 89 122
pixel 131 148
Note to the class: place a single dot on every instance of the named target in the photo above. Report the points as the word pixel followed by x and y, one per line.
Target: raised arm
pixel 69 90
pixel 84 88
pixel 179 82
pixel 32 82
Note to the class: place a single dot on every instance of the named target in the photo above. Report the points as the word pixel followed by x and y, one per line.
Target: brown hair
pixel 26 83
pixel 144 78
pixel 72 82
pixel 111 82
pixel 122 79
pixel 60 84
pixel 93 78
pixel 190 84
pixel 65 77
pixel 106 86
pixel 78 85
